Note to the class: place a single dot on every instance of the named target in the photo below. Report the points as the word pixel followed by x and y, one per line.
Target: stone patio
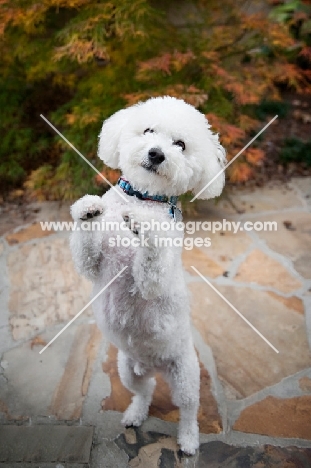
pixel 63 407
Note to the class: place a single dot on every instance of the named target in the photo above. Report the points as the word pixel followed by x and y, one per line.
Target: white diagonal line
pixel 83 157
pixel 82 310
pixel 236 310
pixel 233 159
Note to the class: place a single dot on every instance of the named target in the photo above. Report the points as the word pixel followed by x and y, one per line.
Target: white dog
pixel 164 148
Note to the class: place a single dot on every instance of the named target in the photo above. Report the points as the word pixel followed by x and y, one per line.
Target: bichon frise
pixel 164 148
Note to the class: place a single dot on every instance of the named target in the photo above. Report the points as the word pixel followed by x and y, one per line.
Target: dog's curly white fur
pixel 163 146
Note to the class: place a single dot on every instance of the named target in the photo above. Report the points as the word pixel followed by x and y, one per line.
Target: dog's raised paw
pixel 91 212
pixel 130 222
pixel 87 208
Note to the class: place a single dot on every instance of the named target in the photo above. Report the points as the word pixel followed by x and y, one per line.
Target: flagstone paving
pixel 63 407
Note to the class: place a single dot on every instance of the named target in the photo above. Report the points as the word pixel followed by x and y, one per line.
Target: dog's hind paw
pixel 136 413
pixel 188 439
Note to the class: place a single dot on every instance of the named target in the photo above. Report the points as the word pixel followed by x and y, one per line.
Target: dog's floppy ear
pixel 210 186
pixel 108 147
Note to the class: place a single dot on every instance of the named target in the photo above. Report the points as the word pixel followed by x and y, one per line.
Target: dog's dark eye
pixel 148 130
pixel 181 144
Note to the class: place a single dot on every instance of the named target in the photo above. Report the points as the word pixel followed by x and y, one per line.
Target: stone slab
pixel 264 270
pixel 161 406
pixel 207 266
pixel 277 417
pixel 34 231
pixel 45 443
pixel 245 363
pixel 272 197
pixel 44 465
pixel 15 214
pixel 72 388
pixel 6 340
pixel 53 383
pixel 99 388
pixel 292 302
pixel 53 211
pixel 220 455
pixel 45 288
pixel 149 449
pixel 153 449
pixel 106 454
pixel 211 209
pixel 224 248
pixel 305 384
pixel 294 243
pixel 303 184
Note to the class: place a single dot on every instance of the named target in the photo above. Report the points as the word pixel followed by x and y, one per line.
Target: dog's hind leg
pixel 141 385
pixel 183 377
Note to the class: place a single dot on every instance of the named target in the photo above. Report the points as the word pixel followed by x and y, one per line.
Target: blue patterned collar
pixel 172 201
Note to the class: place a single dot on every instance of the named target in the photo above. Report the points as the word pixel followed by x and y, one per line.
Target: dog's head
pixel 164 146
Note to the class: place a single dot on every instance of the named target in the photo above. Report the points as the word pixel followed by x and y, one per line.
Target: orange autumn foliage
pixel 79 61
pixel 111 175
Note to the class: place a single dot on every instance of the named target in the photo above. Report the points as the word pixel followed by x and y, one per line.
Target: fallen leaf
pixel 37 341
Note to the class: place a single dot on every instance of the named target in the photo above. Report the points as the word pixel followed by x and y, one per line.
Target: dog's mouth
pixel 150 167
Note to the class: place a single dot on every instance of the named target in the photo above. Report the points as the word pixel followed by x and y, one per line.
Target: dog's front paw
pixel 87 208
pixel 188 439
pixel 141 227
pixel 132 223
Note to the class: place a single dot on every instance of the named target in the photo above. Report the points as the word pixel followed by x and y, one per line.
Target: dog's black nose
pixel 156 156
